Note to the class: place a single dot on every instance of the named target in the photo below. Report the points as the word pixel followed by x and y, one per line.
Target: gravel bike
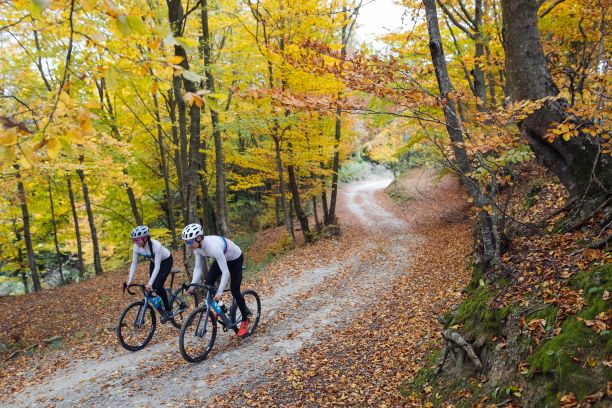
pixel 199 329
pixel 137 322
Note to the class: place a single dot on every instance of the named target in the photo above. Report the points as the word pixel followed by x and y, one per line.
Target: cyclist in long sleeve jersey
pixel 228 262
pixel 160 264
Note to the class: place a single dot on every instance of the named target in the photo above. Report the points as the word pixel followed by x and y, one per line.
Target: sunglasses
pixel 191 241
pixel 139 240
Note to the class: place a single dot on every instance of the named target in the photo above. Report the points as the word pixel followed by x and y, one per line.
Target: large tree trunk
pixel 579 163
pixel 26 232
pixel 53 222
pixel 165 174
pixel 176 18
pixel 462 164
pixel 220 192
pixel 80 264
pixel 179 138
pixel 92 225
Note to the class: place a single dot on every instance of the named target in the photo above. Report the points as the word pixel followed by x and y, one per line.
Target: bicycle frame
pixel 142 309
pixel 224 319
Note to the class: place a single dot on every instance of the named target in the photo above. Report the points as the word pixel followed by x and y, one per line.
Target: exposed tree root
pixel 456 344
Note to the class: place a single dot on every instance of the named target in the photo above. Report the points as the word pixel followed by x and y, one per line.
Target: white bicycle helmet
pixel 192 231
pixel 140 231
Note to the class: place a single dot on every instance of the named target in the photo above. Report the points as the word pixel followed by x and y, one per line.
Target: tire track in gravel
pixel 293 316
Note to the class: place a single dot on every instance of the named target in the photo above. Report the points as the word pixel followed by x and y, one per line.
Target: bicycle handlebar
pixel 126 288
pixel 186 286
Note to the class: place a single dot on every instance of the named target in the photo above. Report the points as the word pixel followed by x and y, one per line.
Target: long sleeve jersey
pixel 160 253
pixel 220 248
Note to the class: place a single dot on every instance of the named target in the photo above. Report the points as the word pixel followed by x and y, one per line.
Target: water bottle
pixel 222 306
pixel 216 307
pixel 157 302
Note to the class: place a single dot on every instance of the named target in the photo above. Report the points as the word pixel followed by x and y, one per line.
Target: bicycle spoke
pixel 197 336
pixel 136 326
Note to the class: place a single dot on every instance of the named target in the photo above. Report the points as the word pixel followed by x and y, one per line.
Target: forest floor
pixel 345 321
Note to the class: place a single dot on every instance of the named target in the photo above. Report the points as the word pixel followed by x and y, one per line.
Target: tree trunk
pixel 220 191
pixel 277 211
pixel 462 162
pixel 331 214
pixel 165 174
pixel 297 205
pixel 345 35
pixel 176 18
pixel 132 199
pixel 178 139
pixel 92 225
pixel 281 184
pixel 21 269
pixel 53 222
pixel 26 232
pixel 579 163
pixel 80 264
pixel 316 215
pixel 479 75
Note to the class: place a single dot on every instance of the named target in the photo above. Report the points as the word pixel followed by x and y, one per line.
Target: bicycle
pixel 199 332
pixel 134 333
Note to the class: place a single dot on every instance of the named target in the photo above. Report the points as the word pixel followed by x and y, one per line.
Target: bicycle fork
pixel 142 310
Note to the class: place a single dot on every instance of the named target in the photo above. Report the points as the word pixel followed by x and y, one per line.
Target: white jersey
pixel 222 250
pixel 160 253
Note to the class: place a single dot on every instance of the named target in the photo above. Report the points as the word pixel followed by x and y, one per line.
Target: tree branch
pixel 68 55
pixel 455 21
pixel 549 9
pixel 15 23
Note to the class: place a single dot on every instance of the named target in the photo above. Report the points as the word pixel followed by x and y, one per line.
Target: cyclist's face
pixel 191 243
pixel 140 241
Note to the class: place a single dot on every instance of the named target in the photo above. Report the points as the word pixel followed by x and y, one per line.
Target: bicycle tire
pixel 256 314
pixel 196 317
pixel 179 294
pixel 126 344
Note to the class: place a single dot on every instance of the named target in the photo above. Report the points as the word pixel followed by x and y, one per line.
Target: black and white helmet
pixel 140 231
pixel 192 231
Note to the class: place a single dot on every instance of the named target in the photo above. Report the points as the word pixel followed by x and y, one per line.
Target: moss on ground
pixel 476 314
pixel 572 360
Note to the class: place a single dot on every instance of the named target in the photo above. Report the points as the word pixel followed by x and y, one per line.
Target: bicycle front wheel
pixel 181 305
pixel 136 326
pixel 198 335
pixel 253 304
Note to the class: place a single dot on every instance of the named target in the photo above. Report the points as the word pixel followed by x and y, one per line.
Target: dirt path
pixel 298 310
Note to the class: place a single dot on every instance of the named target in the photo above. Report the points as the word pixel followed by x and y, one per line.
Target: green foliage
pixel 397 193
pixel 354 169
pixel 246 213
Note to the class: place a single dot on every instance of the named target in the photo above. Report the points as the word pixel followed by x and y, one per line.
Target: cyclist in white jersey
pixel 228 262
pixel 160 264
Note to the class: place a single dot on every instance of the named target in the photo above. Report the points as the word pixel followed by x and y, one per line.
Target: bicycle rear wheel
pixel 251 299
pixel 136 326
pixel 197 335
pixel 181 306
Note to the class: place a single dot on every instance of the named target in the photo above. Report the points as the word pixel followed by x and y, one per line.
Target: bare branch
pixel 455 21
pixel 549 9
